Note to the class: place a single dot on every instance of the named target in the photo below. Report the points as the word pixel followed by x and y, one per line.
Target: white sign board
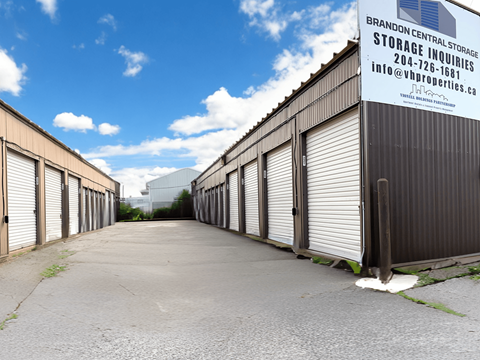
pixel 420 54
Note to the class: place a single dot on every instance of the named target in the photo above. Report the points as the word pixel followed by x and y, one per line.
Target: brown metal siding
pixel 333 90
pixel 432 162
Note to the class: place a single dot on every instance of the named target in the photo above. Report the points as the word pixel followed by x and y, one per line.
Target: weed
pixel 355 266
pixel 425 279
pixel 53 271
pixel 475 277
pixel 474 270
pixel 410 272
pixel 11 317
pixel 431 304
pixel 321 261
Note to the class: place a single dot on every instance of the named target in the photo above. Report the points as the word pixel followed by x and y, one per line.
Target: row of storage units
pixel 307 175
pixel 63 202
pixel 296 177
pixel 49 192
pixel 332 192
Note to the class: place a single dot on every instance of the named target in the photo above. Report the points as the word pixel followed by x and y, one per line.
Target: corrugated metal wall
pixel 20 135
pixel 332 91
pixel 164 190
pixel 432 163
pixel 330 94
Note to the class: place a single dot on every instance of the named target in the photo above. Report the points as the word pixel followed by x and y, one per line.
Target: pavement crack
pixel 127 289
pixel 26 297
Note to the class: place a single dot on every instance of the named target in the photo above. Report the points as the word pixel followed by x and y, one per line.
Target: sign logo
pixel 430 14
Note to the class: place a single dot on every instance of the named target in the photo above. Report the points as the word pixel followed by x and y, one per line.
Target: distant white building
pixel 141 202
pixel 163 190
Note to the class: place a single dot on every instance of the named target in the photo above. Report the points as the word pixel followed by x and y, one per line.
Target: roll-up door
pixel 251 199
pixel 107 209
pixel 280 195
pixel 112 213
pixel 84 216
pixel 214 208
pixel 21 188
pixel 53 203
pixel 90 210
pixel 73 204
pixel 233 200
pixel 207 206
pixel 224 196
pixel 333 180
pixel 219 206
pixel 202 206
pixel 95 210
pixel 101 209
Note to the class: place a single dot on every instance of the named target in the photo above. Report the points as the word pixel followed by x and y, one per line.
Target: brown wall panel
pixel 432 162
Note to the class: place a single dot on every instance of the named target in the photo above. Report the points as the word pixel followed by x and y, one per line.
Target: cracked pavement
pixel 186 290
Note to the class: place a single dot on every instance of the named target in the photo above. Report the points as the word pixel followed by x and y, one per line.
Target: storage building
pixel 306 174
pixel 163 190
pixel 49 192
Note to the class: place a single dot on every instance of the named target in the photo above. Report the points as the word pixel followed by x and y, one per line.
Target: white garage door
pixel 85 205
pixel 219 206
pixel 107 208
pixel 224 197
pixel 280 195
pixel 104 211
pixel 333 179
pixel 90 210
pixel 251 199
pixel 112 209
pixel 22 226
pixel 73 204
pixel 233 200
pixel 95 210
pixel 53 203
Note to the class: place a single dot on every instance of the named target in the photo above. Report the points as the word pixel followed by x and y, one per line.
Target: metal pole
pixel 385 261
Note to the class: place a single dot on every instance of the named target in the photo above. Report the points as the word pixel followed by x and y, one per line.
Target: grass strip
pixel 431 304
pixel 321 261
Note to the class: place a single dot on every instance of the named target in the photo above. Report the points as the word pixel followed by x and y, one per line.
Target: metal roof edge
pixel 465 7
pixel 43 132
pixel 313 77
pixel 173 172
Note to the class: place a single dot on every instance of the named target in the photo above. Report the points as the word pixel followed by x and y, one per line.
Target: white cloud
pixel 79 47
pixel 21 36
pixel 135 179
pixel 12 77
pixel 109 20
pixel 133 61
pixel 49 7
pixel 69 121
pixel 101 39
pixel 291 67
pixel 108 129
pixel 254 7
pixel 266 16
pixel 102 165
pixel 7 8
pixel 228 117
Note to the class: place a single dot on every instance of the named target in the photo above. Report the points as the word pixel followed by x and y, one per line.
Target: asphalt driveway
pixel 186 290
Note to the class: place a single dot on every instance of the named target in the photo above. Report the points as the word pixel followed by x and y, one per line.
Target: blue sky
pixel 143 88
